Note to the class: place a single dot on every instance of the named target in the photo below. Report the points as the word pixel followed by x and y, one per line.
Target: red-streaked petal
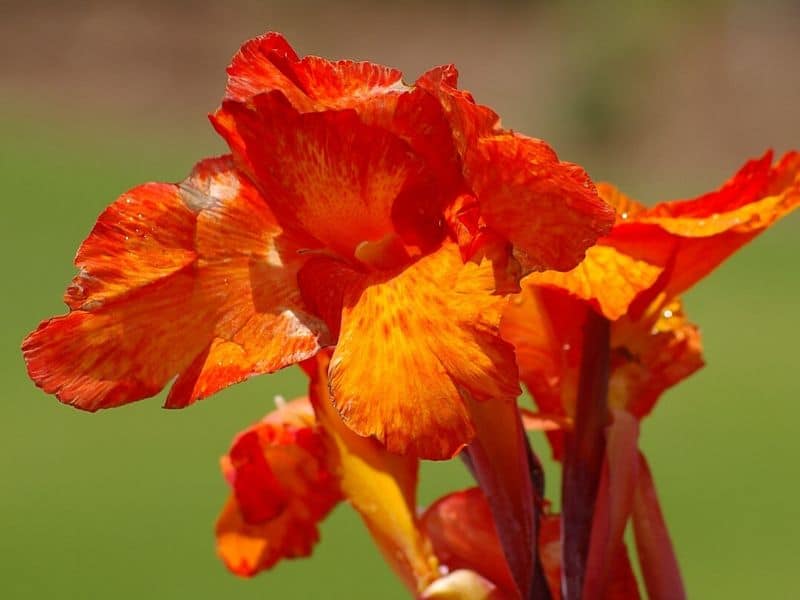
pixel 657 558
pixel 380 485
pixel 268 63
pixel 320 171
pixel 281 490
pixel 549 210
pixel 752 182
pixel 420 336
pixel 194 280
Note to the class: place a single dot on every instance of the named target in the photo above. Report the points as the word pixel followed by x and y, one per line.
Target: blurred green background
pixel 666 100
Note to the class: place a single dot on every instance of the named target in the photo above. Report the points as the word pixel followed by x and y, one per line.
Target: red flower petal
pixel 193 280
pixel 321 170
pixel 463 534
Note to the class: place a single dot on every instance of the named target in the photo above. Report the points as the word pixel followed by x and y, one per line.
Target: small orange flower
pixel 353 209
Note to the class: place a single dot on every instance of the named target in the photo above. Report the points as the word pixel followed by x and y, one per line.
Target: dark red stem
pixel 583 453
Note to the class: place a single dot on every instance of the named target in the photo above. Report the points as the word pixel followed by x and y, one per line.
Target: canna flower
pixel 354 210
pixel 631 282
pixel 633 277
pixel 290 469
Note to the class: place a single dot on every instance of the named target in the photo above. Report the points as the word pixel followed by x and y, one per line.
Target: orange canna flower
pixel 353 210
pixel 630 279
pixel 633 277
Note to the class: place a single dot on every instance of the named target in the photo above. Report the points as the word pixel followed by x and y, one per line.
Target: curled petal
pixel 690 238
pixel 429 331
pixel 549 210
pixel 469 121
pixel 268 63
pixel 606 278
pixel 195 280
pixel 281 490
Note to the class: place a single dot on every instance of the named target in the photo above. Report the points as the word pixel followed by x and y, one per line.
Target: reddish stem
pixel 583 453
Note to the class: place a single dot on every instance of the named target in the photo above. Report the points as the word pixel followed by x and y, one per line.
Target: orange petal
pixel 194 280
pixel 606 278
pixel 321 170
pixel 690 238
pixel 420 336
pixel 381 486
pixel 657 558
pixel 281 490
pixel 549 210
pixel 464 536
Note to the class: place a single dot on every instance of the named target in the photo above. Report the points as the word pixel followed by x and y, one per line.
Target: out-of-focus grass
pixel 121 503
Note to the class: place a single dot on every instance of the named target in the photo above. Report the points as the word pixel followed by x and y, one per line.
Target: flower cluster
pixel 419 262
